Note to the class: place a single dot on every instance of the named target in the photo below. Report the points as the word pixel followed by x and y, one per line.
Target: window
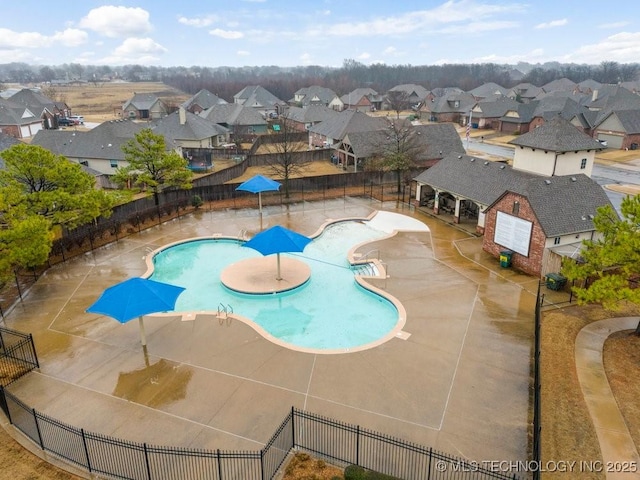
pixel 556 241
pixel 114 163
pixel 583 164
pixel 84 162
pixel 516 207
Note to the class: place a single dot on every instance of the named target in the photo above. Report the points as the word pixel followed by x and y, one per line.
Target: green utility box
pixel 505 258
pixel 555 281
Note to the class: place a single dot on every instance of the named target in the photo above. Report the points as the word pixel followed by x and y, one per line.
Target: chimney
pixel 183 115
pixel 594 95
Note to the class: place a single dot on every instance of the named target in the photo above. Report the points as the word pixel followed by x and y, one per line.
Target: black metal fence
pixel 336 441
pixel 17 355
pixel 537 392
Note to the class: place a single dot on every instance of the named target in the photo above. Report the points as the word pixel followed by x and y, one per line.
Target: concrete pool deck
pixel 456 380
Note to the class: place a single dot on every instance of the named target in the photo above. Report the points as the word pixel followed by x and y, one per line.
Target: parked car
pixel 66 122
pixel 603 142
pixel 79 119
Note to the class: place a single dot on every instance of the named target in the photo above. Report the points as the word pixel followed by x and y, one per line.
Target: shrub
pixel 355 472
pixel 196 201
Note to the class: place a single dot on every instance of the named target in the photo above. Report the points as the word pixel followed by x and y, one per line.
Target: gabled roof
pixel 12 113
pixel 551 106
pixel 257 97
pixel 102 142
pixel 525 113
pixel 443 91
pixel 204 99
pixel 565 204
pixel 524 90
pixel 142 101
pixel 313 95
pixel 589 84
pixel 6 141
pixel 356 95
pixel 311 114
pixel 557 135
pixel 562 204
pixel 487 89
pixel 495 108
pixel 348 121
pixel 194 128
pixel 447 103
pixel 559 84
pixel 412 90
pixel 34 101
pixel 619 98
pixel 629 119
pixel 233 114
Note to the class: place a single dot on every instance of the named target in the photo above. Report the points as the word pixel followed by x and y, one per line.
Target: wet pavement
pixel 457 379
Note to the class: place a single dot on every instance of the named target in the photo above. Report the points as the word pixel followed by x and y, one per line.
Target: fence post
pixel 86 449
pixel 5 407
pixel 35 418
pixel 33 350
pixel 146 460
pixel 15 274
pixel 357 444
pixel 293 426
pixel 262 464
pixel 429 463
pixel 219 465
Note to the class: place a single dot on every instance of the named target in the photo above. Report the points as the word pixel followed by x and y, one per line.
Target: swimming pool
pixel 329 313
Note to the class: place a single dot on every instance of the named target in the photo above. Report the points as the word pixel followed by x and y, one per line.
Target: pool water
pixel 331 311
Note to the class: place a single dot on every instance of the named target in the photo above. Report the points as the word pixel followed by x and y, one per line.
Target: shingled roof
pixel 557 135
pixel 195 127
pixel 204 99
pixel 348 121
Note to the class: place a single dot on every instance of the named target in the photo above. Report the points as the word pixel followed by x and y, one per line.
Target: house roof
pixel 589 84
pixel 102 142
pixel 35 101
pixel 204 99
pixel 348 121
pixel 630 120
pixel 447 103
pixel 495 108
pixel 142 101
pixel 354 97
pixel 257 96
pixel 487 89
pixel 524 90
pixel 412 90
pixel 562 204
pixel 313 95
pixel 12 113
pixel 233 114
pixel 194 128
pixel 616 98
pixel 559 84
pixel 6 141
pixel 310 114
pixel 557 135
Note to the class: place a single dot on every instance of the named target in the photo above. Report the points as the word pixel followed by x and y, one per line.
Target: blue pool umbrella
pixel 136 297
pixel 278 239
pixel 259 184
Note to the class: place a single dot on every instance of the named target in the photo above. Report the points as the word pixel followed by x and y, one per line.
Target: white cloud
pixel 71 37
pixel 10 39
pixel 364 56
pixel 198 22
pixel 390 51
pixel 227 34
pixel 622 47
pixel 478 27
pixel 451 12
pixel 112 21
pixel 536 55
pixel 613 25
pixel 135 50
pixel 243 53
pixel 552 24
pixel 305 58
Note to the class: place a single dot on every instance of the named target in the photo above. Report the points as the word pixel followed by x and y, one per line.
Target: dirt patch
pixel 304 467
pixel 622 366
pixel 567 430
pixel 626 189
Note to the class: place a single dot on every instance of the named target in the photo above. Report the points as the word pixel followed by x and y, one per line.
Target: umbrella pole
pixel 260 207
pixel 278 277
pixel 143 337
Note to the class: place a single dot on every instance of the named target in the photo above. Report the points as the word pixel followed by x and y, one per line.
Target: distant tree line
pixel 285 81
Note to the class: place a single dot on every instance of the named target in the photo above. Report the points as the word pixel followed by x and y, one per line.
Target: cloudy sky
pixel 320 32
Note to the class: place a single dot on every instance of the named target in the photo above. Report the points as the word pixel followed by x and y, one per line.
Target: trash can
pixel 505 258
pixel 555 281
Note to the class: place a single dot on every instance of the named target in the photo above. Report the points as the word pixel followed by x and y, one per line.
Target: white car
pixel 603 142
pixel 79 119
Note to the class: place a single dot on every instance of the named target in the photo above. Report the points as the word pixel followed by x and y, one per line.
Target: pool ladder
pixel 224 311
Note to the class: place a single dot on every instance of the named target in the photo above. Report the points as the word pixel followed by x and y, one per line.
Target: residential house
pixel 414 94
pixel 432 143
pixel 362 100
pixel 240 120
pixel 517 120
pixel 99 148
pixel 6 141
pixel 588 86
pixel 488 113
pixel 48 110
pixel 329 133
pixel 487 90
pixel 144 106
pixel 18 120
pixel 313 96
pixel 617 119
pixel 193 137
pixel 201 101
pixel 453 106
pixel 302 119
pixel 547 199
pixel 259 99
pixel 551 106
pixel 560 84
pixel 524 92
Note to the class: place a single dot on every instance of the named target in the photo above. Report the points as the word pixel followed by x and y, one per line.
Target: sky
pixel 236 33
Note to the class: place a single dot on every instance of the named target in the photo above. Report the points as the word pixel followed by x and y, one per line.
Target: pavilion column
pixel 436 203
pixel 456 213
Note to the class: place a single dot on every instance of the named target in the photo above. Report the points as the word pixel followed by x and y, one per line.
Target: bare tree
pixel 285 163
pixel 398 101
pixel 400 148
